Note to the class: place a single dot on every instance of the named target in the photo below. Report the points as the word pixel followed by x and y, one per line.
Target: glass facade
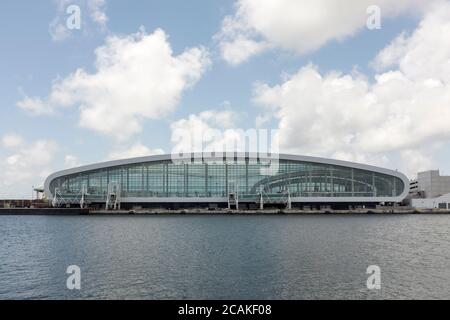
pixel 249 179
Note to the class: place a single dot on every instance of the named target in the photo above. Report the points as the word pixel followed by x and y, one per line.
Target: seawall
pixel 42 212
pixel 163 212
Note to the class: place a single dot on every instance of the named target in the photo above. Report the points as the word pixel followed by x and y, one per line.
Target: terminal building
pixel 240 181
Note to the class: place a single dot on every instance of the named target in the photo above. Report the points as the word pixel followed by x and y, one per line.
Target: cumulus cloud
pixel 423 56
pixel 93 15
pixel 198 131
pixel 301 26
pixel 135 151
pixel 216 131
pixel 415 161
pixel 400 114
pixel 11 140
pixel 35 106
pixel 24 165
pixel 137 77
pixel 71 161
pixel 97 11
pixel 240 49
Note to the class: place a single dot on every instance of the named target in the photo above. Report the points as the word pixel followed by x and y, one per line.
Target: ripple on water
pixel 226 257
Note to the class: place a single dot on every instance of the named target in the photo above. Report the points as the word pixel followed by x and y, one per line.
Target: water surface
pixel 225 257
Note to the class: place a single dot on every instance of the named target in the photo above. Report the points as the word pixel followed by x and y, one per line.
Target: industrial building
pixel 429 184
pixel 430 191
pixel 240 181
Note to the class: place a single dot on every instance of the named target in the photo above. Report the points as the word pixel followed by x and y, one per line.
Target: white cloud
pixel 35 106
pixel 135 151
pixel 298 25
pixel 93 15
pixel 137 78
pixel 11 140
pixel 71 161
pixel 216 131
pixel 97 11
pixel 58 31
pixel 240 49
pixel 26 165
pixel 425 55
pixel 415 161
pixel 198 131
pixel 405 111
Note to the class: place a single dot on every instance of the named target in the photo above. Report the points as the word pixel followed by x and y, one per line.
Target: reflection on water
pixel 225 257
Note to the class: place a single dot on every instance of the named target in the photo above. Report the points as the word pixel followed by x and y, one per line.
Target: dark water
pixel 225 257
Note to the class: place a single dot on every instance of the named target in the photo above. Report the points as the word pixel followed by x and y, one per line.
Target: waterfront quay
pixel 165 212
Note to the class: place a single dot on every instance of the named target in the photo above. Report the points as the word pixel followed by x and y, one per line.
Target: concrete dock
pixel 164 212
pixel 43 212
pixel 266 212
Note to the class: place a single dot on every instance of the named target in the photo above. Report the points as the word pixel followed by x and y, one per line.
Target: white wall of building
pixel 442 202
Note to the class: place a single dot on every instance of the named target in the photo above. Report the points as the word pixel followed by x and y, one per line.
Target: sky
pixel 86 81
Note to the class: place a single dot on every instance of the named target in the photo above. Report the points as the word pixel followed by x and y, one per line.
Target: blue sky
pixel 271 81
